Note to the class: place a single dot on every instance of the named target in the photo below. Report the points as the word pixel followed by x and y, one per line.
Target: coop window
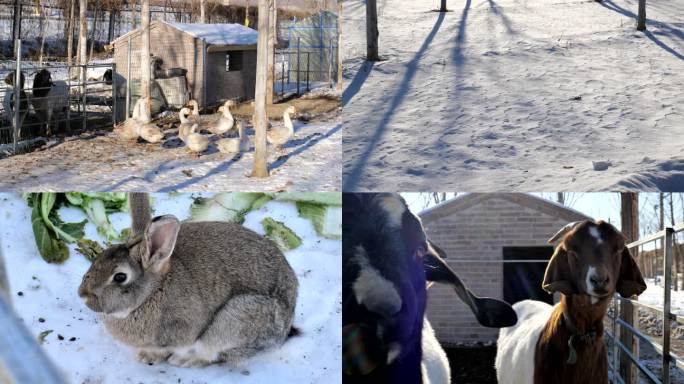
pixel 233 61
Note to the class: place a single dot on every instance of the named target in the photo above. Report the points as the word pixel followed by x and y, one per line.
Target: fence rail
pixel 619 325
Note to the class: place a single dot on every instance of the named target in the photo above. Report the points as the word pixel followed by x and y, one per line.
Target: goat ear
pixel 160 240
pixel 630 282
pixel 558 275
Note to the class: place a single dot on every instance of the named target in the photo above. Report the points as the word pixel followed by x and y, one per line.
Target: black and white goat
pixel 387 263
pixel 564 344
pixel 9 100
pixel 49 98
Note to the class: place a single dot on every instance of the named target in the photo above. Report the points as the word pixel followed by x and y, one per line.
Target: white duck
pixel 281 134
pixel 129 129
pixel 195 111
pixel 148 131
pixel 186 123
pixel 196 142
pixel 234 144
pixel 226 122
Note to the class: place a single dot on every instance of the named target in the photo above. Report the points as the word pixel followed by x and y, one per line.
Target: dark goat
pixel 48 97
pixel 387 262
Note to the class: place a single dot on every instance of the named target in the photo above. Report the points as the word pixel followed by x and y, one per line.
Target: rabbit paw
pixel 187 361
pixel 150 356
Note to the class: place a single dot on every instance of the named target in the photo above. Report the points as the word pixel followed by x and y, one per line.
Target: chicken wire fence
pixel 169 87
pixel 621 326
pixel 80 98
pixel 297 70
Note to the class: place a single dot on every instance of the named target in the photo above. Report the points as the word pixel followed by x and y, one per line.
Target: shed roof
pixel 465 201
pixel 211 34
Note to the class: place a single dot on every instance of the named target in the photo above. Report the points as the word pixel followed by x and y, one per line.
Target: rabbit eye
pixel 120 277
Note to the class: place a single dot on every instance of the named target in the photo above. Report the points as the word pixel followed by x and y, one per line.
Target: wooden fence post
pixel 260 118
pixel 630 228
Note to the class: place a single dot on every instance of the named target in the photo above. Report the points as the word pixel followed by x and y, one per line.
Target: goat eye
pixel 120 277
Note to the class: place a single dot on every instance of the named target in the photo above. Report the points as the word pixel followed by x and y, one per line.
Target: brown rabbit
pixel 192 293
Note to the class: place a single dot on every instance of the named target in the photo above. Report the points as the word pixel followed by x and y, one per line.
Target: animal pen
pixel 310 56
pixel 89 103
pixel 621 326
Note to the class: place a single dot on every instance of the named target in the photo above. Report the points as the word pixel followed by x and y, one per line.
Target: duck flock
pixel 140 125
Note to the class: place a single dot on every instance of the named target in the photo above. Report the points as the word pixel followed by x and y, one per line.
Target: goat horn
pixel 567 228
pixel 488 311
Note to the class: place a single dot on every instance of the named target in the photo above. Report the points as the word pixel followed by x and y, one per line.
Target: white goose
pixel 226 122
pixel 186 123
pixel 235 144
pixel 281 134
pixel 196 142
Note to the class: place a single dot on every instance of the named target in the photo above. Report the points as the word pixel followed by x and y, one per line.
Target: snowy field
pixel 97 161
pixel 522 95
pixel 49 293
pixel 653 295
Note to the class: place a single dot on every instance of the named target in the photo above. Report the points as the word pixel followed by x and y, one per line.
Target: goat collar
pixel 589 337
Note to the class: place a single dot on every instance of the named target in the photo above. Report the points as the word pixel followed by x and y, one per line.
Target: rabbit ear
pixel 160 239
pixel 141 215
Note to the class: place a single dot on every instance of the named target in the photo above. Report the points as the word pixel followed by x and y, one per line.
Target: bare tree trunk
pixel 82 35
pixel 630 228
pixel 112 24
pixel 372 31
pixel 70 37
pixel 92 36
pixel 443 7
pixel 561 198
pixel 203 11
pixel 261 119
pixel 145 54
pixel 44 20
pixel 134 15
pixel 247 15
pixel 272 37
pixel 339 45
pixel 16 26
pixel 641 18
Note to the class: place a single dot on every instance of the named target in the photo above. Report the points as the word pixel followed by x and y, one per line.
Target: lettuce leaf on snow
pixel 327 220
pixel 280 234
pixel 50 232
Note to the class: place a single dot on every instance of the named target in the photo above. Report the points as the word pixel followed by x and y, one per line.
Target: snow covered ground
pixel 311 161
pixel 49 293
pixel 522 95
pixel 653 295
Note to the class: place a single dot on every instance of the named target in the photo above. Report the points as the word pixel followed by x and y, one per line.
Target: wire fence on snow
pixel 621 325
pixel 81 97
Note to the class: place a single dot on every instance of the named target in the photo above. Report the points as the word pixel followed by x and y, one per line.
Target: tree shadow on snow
pixel 352 178
pixel 305 143
pixel 355 86
pixel 673 31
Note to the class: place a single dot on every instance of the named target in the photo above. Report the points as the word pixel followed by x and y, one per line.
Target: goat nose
pixel 599 281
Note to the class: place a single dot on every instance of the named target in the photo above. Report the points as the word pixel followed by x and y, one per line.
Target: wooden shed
pixel 220 59
pixel 497 243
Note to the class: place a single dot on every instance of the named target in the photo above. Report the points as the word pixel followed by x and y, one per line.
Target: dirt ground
pixel 99 161
pixel 473 365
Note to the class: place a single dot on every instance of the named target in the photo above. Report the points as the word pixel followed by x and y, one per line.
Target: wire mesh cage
pixel 53 99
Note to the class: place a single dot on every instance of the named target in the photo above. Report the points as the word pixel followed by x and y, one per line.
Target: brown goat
pixel 564 343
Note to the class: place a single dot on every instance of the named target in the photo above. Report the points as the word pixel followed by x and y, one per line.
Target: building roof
pixel 211 34
pixel 465 201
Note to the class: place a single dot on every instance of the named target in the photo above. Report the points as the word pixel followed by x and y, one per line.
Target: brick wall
pixel 479 232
